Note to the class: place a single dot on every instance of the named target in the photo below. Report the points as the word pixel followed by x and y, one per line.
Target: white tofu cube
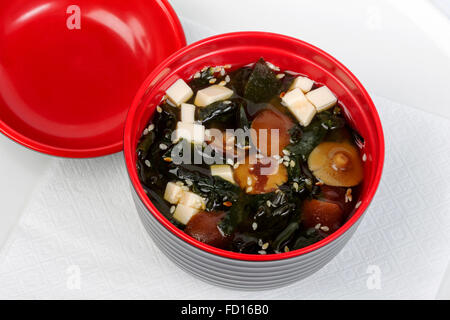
pixel 299 106
pixel 173 193
pixel 192 132
pixel 187 113
pixel 322 98
pixel 192 200
pixel 184 213
pixel 303 83
pixel 224 171
pixel 179 92
pixel 212 94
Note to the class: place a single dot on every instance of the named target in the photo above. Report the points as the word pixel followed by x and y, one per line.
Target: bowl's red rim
pixel 115 147
pixel 131 166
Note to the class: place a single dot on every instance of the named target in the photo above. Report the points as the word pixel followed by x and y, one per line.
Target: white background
pixel 398 49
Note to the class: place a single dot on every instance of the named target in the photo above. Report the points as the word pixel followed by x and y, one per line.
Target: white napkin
pixel 80 236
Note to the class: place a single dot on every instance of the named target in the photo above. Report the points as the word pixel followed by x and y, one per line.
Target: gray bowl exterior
pixel 237 274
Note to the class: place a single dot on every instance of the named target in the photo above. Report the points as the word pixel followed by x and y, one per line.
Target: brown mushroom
pixel 323 215
pixel 203 227
pixel 336 164
pixel 260 175
pixel 269 119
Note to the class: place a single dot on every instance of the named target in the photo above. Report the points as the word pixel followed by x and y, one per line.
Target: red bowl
pixel 239 49
pixel 65 87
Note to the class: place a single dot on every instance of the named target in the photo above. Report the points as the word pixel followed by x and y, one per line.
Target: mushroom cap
pixel 325 213
pixel 258 176
pixel 203 227
pixel 269 119
pixel 336 164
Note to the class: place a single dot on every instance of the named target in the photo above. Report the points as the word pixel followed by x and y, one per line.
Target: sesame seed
pixel 147 163
pixel 325 228
pixel 280 76
pixel 222 72
pixel 272 66
pixel 172 209
pixel 295 184
pixel 262 252
pixel 357 205
pixel 162 146
pixel 292 163
pixel 348 195
pixel 212 80
pixel 317 227
pixel 159 109
pixel 249 189
pixel 265 246
pixel 151 127
pixel 254 226
pixel 269 203
pixel 145 132
pixel 364 157
pixel 227 78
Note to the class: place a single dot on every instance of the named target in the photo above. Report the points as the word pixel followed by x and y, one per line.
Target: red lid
pixel 69 73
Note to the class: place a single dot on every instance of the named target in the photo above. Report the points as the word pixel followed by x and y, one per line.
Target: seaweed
pixel 202 81
pixel 145 143
pixel 286 82
pixel 271 212
pixel 237 214
pixel 306 238
pixel 314 133
pixel 285 236
pixel 215 189
pixel 262 85
pixel 239 79
pixel 220 111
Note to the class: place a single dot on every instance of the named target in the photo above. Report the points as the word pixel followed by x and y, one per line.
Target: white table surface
pixel 399 49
